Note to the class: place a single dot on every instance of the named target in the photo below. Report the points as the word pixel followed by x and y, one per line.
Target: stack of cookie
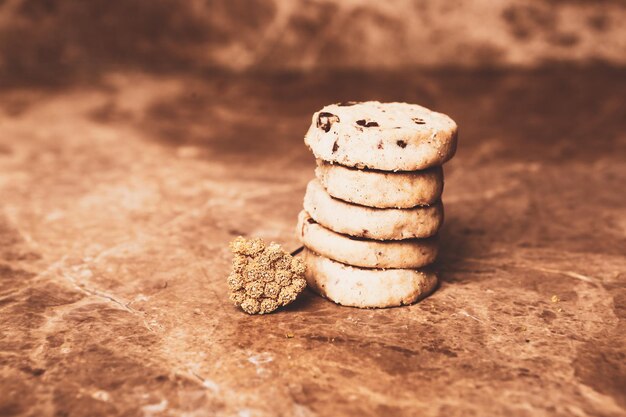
pixel 371 216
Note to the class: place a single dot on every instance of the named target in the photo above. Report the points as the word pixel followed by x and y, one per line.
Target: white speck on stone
pixel 150 409
pixel 54 215
pixel 140 297
pixel 101 395
pixel 86 273
pixel 244 413
pixel 260 359
pixel 211 385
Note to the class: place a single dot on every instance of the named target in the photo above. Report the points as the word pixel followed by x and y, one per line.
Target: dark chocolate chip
pixel 364 123
pixel 401 144
pixel 419 121
pixel 380 145
pixel 325 120
pixel 347 103
pixel 335 147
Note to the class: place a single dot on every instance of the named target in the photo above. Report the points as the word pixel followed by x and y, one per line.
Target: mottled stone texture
pixel 118 199
pixel 55 40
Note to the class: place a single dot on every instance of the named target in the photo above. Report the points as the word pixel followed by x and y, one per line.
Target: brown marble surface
pixel 118 199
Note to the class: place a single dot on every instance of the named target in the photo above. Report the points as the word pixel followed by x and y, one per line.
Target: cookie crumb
pixel 555 299
pixel 263 277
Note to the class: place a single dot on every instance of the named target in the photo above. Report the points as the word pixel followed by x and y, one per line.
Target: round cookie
pixel 410 253
pixel 381 189
pixel 366 288
pixel 385 136
pixel 368 222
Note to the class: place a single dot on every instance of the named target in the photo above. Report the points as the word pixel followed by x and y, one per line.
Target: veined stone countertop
pixel 119 197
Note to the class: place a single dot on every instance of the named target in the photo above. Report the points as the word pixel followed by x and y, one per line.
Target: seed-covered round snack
pixel 264 277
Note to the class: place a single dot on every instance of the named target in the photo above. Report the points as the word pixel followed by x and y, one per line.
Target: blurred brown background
pixel 49 41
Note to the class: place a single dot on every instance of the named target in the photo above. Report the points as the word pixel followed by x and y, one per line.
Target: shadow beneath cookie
pixel 459 245
pixel 304 302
